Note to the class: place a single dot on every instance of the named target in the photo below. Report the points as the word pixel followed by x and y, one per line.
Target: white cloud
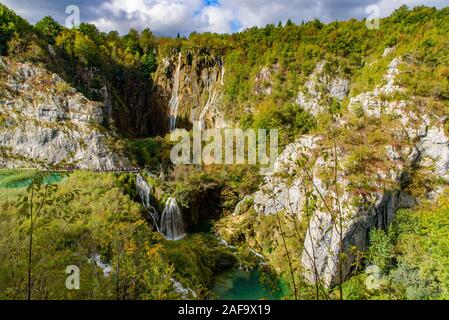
pixel 259 12
pixel 162 16
pixel 215 19
pixel 388 6
pixel 169 17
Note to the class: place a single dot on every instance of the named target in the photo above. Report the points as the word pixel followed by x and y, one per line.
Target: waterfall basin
pixel 172 224
pixel 236 284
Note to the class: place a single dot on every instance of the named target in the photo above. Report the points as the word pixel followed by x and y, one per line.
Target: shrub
pixel 380 252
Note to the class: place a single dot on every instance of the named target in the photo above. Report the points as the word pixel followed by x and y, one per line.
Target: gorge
pixel 360 182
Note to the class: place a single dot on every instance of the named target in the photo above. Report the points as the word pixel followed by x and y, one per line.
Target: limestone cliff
pixel 321 87
pixel 341 183
pixel 44 121
pixel 188 87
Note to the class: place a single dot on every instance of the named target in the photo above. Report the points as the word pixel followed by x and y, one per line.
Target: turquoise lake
pixel 237 284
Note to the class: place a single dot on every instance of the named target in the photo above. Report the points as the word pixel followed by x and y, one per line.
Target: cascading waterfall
pixel 174 101
pixel 172 224
pixel 144 191
pixel 213 95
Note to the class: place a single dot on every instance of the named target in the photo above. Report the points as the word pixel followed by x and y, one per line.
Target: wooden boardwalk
pixel 67 169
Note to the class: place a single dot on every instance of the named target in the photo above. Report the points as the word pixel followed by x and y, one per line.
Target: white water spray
pixel 174 101
pixel 172 224
pixel 222 75
pixel 211 99
pixel 213 95
pixel 144 191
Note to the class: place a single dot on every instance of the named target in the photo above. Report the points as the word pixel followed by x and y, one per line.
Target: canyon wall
pixel 187 88
pixel 317 179
pixel 44 121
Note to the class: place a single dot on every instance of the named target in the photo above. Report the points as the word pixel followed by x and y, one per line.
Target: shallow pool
pixel 14 179
pixel 237 284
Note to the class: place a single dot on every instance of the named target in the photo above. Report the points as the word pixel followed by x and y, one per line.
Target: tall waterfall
pixel 172 224
pixel 144 191
pixel 174 101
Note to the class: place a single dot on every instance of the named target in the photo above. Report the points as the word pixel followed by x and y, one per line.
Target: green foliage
pixel 380 252
pixel 151 152
pixel 85 50
pixel 197 259
pixel 108 223
pixel 11 27
pixel 149 62
pixel 413 256
pixel 391 42
pixel 49 28
pixel 291 52
pixel 290 119
pixel 355 288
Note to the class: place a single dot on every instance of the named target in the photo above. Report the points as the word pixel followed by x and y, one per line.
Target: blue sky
pixel 170 17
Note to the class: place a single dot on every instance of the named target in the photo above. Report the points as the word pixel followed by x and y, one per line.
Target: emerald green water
pixel 237 284
pixel 14 179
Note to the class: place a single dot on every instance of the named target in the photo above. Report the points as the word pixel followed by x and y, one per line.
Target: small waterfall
pixel 174 101
pixel 172 224
pixel 213 96
pixel 222 75
pixel 243 205
pixel 210 101
pixel 107 268
pixel 144 191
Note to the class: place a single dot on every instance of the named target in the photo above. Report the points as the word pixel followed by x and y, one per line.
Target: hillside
pixel 362 174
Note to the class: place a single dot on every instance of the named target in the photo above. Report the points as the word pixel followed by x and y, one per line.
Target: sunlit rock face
pixel 188 87
pixel 303 169
pixel 47 122
pixel 321 86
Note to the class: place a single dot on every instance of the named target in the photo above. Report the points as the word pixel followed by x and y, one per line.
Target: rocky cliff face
pixel 347 205
pixel 321 87
pixel 187 88
pixel 45 121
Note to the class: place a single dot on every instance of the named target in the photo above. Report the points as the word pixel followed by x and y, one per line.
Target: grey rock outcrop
pixel 319 86
pixel 46 122
pixel 264 80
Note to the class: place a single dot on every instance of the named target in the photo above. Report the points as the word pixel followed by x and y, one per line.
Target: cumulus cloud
pixel 215 19
pixel 163 16
pixel 34 10
pixel 170 17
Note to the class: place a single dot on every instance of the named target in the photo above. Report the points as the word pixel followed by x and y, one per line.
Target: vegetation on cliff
pixel 412 256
